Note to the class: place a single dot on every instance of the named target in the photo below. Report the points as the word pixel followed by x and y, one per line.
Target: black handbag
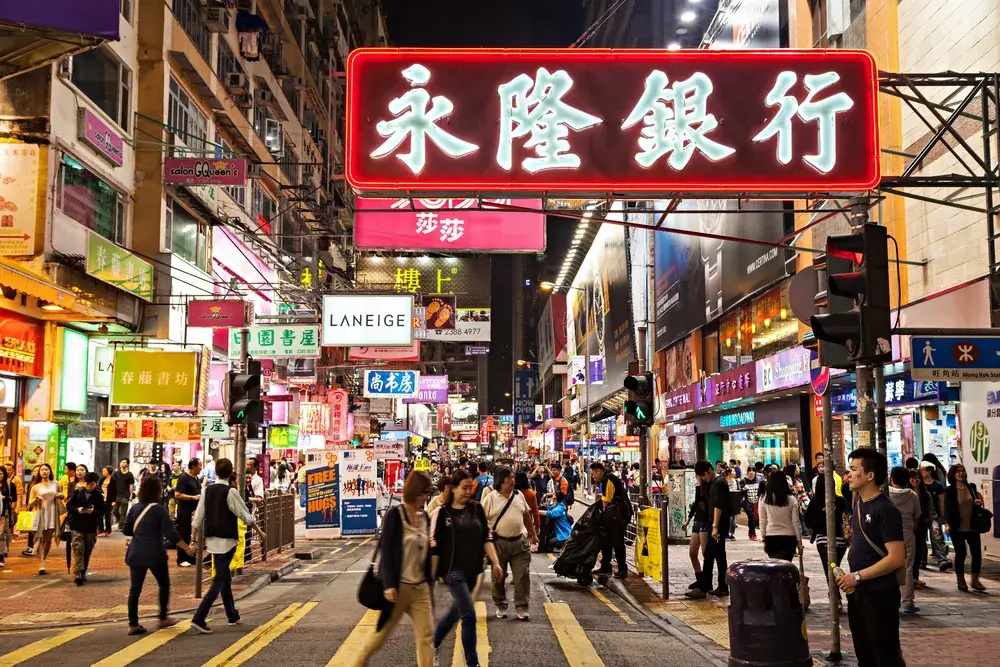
pixel 983 521
pixel 370 593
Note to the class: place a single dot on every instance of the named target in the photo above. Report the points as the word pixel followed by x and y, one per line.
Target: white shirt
pixel 257 486
pixel 221 545
pixel 512 523
pixel 776 520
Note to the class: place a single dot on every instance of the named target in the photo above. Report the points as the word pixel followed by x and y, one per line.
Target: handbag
pixel 900 572
pixel 803 584
pixel 25 522
pixel 370 593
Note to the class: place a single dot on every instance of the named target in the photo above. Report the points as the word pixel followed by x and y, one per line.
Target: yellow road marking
pixel 356 547
pixel 611 605
pixel 572 639
pixel 353 648
pixel 223 657
pixel 41 646
pixel 271 631
pixel 482 640
pixel 144 646
pixel 552 556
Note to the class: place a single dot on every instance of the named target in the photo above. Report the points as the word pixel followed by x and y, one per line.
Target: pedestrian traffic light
pixel 640 407
pixel 243 396
pixel 866 329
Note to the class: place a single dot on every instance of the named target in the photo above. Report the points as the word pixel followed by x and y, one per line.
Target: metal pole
pixel 644 430
pixel 199 542
pixel 586 363
pixel 831 527
pixel 879 390
pixel 866 407
pixel 664 553
pixel 240 430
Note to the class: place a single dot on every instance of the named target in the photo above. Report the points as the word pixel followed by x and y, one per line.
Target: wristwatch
pixel 857 577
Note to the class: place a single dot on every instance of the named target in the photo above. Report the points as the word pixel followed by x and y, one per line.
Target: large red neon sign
pixel 577 120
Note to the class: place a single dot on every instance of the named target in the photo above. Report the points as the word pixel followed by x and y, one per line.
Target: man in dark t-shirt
pixel 720 510
pixel 122 485
pixel 877 552
pixel 187 494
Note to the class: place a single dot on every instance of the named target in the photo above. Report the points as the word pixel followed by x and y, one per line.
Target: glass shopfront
pixel 769 433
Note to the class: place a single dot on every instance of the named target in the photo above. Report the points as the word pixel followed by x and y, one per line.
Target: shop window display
pixel 777 445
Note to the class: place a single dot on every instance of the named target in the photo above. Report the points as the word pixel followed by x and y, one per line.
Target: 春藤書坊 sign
pixel 598 120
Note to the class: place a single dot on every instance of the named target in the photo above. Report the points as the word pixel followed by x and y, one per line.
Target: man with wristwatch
pixel 877 552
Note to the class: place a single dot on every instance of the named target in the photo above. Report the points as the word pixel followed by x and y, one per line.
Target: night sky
pixel 492 23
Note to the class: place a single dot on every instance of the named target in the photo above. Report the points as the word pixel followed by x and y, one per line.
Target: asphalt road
pixel 312 618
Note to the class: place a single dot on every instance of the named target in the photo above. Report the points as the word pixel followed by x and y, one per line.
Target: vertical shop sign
pixel 338 415
pixel 22 197
pixel 62 448
pixel 116 266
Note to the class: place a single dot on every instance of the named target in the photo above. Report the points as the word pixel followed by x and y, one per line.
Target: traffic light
pixel 243 396
pixel 866 329
pixel 640 408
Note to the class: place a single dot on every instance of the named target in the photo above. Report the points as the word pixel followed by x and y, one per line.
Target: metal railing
pixel 276 516
pixel 190 14
pixel 657 500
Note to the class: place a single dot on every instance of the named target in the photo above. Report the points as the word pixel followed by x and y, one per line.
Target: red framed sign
pixel 603 120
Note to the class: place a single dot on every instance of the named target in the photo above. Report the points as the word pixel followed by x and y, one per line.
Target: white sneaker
pixel 501 612
pixel 523 616
pixel 437 657
pixel 186 564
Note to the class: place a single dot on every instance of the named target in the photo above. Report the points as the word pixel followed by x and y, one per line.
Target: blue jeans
pixel 222 584
pixel 302 495
pixel 461 585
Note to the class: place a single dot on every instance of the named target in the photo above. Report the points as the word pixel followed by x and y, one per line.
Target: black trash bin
pixel 767 624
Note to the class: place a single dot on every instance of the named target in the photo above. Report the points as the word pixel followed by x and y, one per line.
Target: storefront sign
pixel 899 390
pixel 736 419
pixel 217 313
pixel 367 319
pixel 451 225
pixel 73 371
pixel 729 386
pixel 101 365
pixel 338 415
pixel 98 135
pixel 600 120
pixel 358 492
pixel 390 450
pixel 433 389
pixel 216 380
pixel 476 350
pixel 395 353
pixel 281 436
pixel 465 416
pixel 784 370
pixel 278 341
pixel 314 418
pixel 118 267
pixel 19 197
pixel 155 378
pixel 216 427
pixel 391 384
pixel 201 171
pixel 178 430
pixel 472 325
pixel 21 345
pixel 680 400
pixel 429 276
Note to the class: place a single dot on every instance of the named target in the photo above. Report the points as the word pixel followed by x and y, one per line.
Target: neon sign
pixel 734 419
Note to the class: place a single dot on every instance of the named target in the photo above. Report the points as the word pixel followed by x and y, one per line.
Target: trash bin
pixel 767 624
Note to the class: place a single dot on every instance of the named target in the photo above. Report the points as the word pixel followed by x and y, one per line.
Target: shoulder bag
pixel 982 519
pixel 493 529
pixel 370 592
pixel 901 570
pixel 135 527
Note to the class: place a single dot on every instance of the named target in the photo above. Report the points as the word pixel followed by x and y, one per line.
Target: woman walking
pixel 815 520
pixel 149 525
pixel 74 482
pixel 405 570
pixel 460 539
pixel 44 504
pixel 698 519
pixel 961 508
pixel 104 522
pixel 779 519
pixel 8 503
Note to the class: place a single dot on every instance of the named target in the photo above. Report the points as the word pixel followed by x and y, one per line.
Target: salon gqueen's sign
pixel 205 171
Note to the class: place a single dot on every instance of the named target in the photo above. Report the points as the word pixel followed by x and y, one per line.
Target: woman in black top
pixel 815 521
pixel 8 500
pixel 148 524
pixel 460 536
pixel 961 508
pixel 699 530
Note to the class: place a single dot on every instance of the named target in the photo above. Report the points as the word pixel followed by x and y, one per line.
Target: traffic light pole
pixel 866 406
pixel 240 430
pixel 879 390
pixel 643 432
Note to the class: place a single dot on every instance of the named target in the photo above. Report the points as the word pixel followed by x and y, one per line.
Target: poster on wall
pixel 601 289
pixel 980 410
pixel 323 496
pixel 358 492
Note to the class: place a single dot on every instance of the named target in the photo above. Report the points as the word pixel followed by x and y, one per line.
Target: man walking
pixel 215 518
pixel 187 494
pixel 84 507
pixel 123 485
pixel 719 511
pixel 616 516
pixel 753 486
pixel 513 528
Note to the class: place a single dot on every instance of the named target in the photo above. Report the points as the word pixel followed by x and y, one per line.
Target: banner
pixel 338 415
pixel 178 430
pixel 395 353
pixel 278 341
pixel 117 266
pixel 156 429
pixel 551 331
pixel 359 492
pixel 22 167
pixel 980 413
pixel 217 313
pixel 323 496
pixel 154 378
pixel 433 389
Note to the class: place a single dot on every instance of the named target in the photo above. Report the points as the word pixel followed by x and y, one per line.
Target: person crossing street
pixel 513 529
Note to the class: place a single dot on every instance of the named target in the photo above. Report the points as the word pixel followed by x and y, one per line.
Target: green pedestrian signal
pixel 640 409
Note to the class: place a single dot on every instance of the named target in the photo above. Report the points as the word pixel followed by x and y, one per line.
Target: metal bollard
pixel 767 624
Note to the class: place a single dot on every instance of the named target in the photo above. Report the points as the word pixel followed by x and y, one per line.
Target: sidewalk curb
pixel 666 626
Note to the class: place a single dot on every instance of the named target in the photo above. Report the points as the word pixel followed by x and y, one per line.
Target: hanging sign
pixel 608 120
pixel 367 319
pixel 154 377
pixel 274 341
pixel 217 313
pixel 201 171
pixel 338 415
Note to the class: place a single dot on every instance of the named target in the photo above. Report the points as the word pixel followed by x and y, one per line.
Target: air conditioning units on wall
pixel 237 82
pixel 264 98
pixel 216 19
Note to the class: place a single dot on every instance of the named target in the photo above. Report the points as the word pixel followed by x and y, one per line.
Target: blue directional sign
pixel 524 401
pixel 391 384
pixel 948 358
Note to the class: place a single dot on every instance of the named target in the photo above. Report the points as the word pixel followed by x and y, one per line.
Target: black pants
pixel 104 520
pixel 613 540
pixel 781 546
pixel 138 577
pixel 920 560
pixel 222 585
pixel 715 552
pixel 962 539
pixel 751 523
pixel 184 530
pixel 874 620
pixel 821 549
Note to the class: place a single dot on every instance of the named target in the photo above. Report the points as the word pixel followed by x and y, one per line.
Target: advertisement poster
pixel 20 166
pixel 465 278
pixel 358 492
pixel 432 389
pixel 601 290
pixel 439 312
pixel 323 497
pixel 980 410
pixel 472 325
pixel 551 331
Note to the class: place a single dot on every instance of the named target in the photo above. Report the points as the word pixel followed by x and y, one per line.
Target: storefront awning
pixel 14 278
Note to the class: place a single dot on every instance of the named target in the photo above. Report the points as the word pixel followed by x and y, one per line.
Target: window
pixel 265 208
pixel 237 192
pixel 186 119
pixel 126 10
pixel 187 235
pixel 90 200
pixel 189 14
pixel 107 82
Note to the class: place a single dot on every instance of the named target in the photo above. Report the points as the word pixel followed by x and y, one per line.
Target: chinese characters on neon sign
pixel 492 120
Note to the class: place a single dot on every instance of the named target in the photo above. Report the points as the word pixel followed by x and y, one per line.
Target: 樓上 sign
pixel 589 120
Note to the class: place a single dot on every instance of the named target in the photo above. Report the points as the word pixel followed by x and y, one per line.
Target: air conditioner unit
pixel 243 101
pixel 216 19
pixel 264 98
pixel 65 68
pixel 299 83
pixel 274 136
pixel 237 82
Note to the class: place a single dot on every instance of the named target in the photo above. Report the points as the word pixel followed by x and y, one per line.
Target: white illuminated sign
pixel 367 320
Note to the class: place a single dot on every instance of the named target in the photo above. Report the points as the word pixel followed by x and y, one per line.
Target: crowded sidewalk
pixel 29 600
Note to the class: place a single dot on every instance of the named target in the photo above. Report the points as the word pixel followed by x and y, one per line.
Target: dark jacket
pixel 85 523
pixel 9 493
pixel 952 516
pixel 219 519
pixel 444 538
pixel 815 516
pixel 699 508
pixel 147 548
pixel 391 549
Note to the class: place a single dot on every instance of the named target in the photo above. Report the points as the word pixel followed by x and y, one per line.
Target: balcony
pixel 190 14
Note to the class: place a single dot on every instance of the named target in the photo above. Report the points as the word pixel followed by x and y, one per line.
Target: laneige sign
pixel 367 319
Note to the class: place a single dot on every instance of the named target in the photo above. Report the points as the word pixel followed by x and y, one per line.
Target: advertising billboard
pixel 367 319
pixel 465 278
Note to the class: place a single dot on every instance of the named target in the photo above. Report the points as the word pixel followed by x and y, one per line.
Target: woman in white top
pixel 44 505
pixel 779 518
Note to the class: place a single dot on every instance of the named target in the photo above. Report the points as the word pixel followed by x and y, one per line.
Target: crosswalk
pixel 559 623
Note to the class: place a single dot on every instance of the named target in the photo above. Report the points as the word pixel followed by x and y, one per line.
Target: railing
pixel 189 13
pixel 276 516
